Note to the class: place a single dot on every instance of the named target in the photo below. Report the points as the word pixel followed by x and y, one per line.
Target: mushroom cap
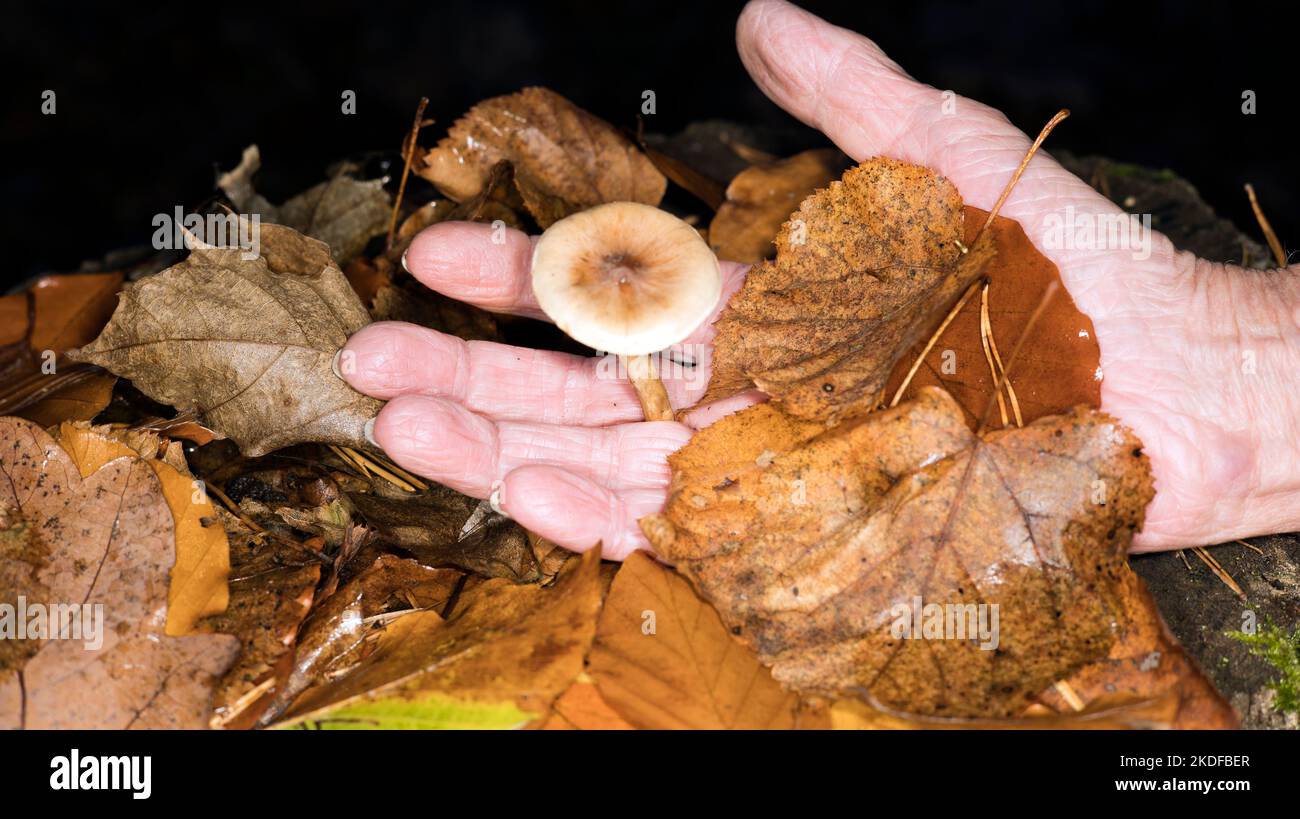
pixel 625 278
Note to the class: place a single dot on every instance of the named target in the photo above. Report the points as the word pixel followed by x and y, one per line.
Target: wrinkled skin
pixel 1201 360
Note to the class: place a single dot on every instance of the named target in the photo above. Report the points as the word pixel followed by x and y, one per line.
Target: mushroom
pixel 628 279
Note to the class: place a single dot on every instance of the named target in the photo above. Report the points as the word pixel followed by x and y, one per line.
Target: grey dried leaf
pixel 343 212
pixel 247 344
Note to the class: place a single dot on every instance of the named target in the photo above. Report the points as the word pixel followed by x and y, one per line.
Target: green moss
pixel 1282 651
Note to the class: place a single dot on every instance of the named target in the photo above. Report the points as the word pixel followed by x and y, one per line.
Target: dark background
pixel 152 98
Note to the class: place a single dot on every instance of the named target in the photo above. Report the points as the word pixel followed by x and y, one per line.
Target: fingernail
pixel 495 499
pixel 369 432
pixel 404 267
pixel 334 364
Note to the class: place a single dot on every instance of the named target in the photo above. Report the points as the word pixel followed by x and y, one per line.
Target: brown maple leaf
pixel 247 344
pixel 814 543
pixel 105 542
pixel 863 268
pixel 564 159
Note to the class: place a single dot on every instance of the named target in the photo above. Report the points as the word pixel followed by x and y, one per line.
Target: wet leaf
pixel 664 659
pixel 816 552
pixel 564 159
pixel 761 198
pixel 106 540
pixel 863 269
pixel 247 344
pixel 271 592
pixel 505 649
pixel 1061 365
pixel 332 637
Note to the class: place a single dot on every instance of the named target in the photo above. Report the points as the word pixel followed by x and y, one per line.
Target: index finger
pixel 484 265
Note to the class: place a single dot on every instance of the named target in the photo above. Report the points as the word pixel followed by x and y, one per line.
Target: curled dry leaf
pixel 1064 368
pixel 663 659
pixel 815 545
pixel 564 159
pixel 863 268
pixel 247 344
pixel 343 212
pixel 103 541
pixel 500 659
pixel 762 197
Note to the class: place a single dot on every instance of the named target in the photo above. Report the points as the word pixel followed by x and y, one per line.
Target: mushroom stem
pixel 649 389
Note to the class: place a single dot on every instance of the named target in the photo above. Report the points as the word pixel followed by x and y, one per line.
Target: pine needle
pixel 929 345
pixel 1219 571
pixel 1068 693
pixel 1269 235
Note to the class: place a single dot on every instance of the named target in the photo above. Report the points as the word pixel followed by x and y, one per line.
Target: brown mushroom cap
pixel 625 278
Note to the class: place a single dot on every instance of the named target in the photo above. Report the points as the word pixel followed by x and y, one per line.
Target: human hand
pixel 1201 360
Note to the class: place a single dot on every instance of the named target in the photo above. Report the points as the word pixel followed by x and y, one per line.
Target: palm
pixel 561 443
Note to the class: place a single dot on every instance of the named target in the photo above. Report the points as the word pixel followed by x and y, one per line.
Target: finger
pixel 445 442
pixel 576 512
pixel 390 359
pixel 483 265
pixel 843 84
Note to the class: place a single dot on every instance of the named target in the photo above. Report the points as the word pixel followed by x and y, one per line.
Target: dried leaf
pixel 73 392
pixel 247 344
pixel 1064 368
pixel 343 212
pixel 197 586
pixel 663 659
pixel 564 159
pixel 104 541
pixel 762 197
pixel 504 654
pixel 863 268
pixel 271 592
pixel 331 638
pixel 37 326
pixel 811 551
pixel 57 313
pixel 431 526
pixel 582 708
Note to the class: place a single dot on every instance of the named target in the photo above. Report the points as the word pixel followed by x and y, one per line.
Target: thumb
pixel 844 85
